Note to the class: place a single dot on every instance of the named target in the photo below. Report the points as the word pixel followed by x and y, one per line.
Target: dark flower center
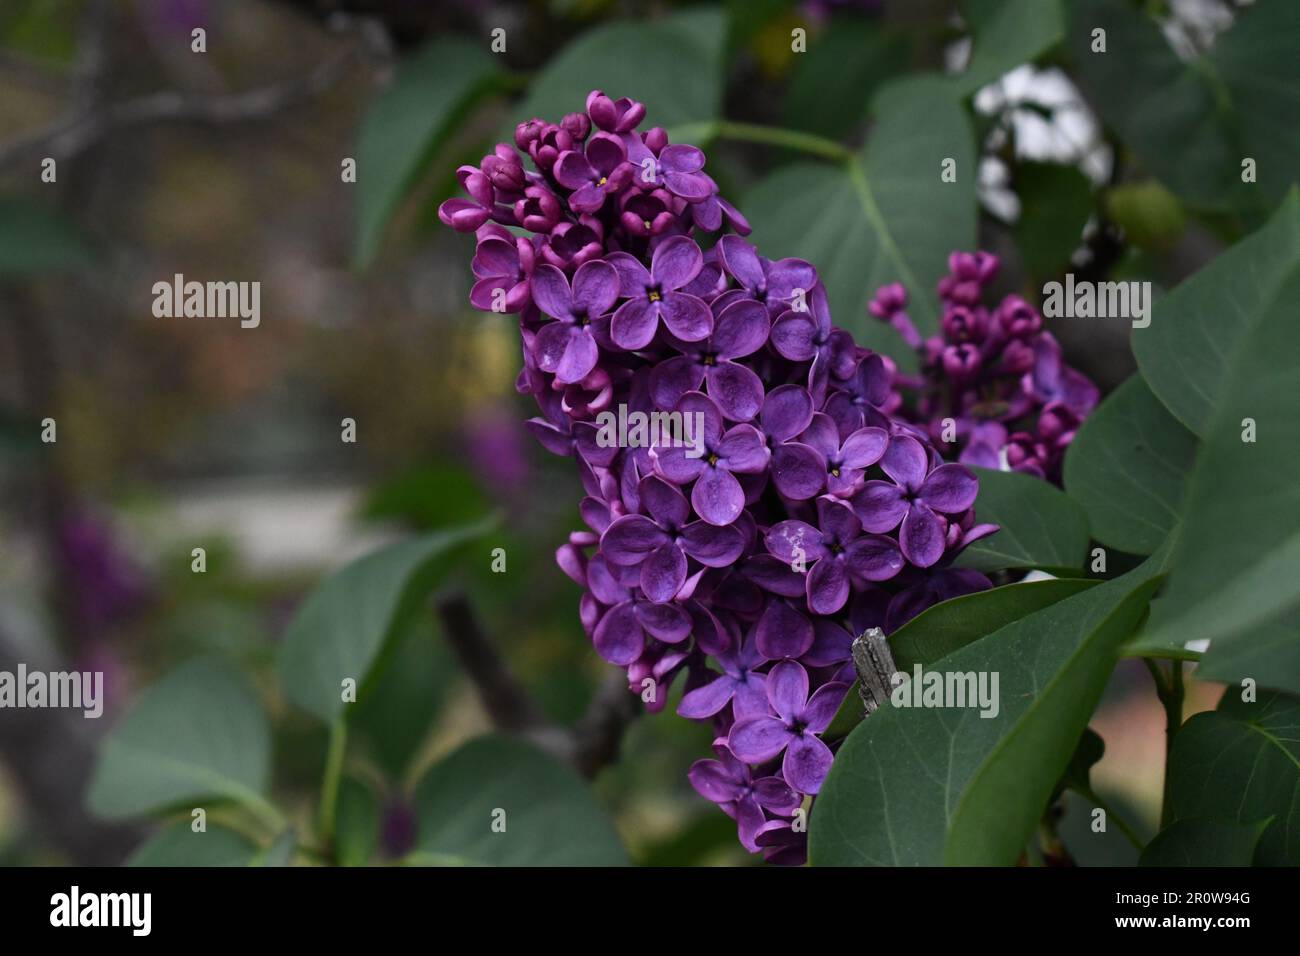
pixel 709 359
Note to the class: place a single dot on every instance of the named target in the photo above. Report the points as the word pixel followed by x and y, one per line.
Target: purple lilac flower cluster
pixel 994 373
pixel 809 513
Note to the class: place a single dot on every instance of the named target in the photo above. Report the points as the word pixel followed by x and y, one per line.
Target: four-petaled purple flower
pixel 717 496
pixel 567 346
pixel 793 728
pixel 600 172
pixel 731 785
pixel 914 497
pixel 654 293
pixel 740 329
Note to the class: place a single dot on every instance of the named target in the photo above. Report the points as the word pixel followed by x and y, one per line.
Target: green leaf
pixel 938 631
pixel 1040 526
pixel 1090 749
pixel 1205 841
pixel 1238 100
pixel 882 217
pixel 430 94
pixel 344 624
pixel 1236 564
pixel 178 845
pixel 944 785
pixel 1055 205
pixel 831 84
pixel 1242 763
pixel 1128 468
pixel 673 65
pixel 1197 328
pixel 197 735
pixel 1268 653
pixel 1007 33
pixel 550 817
pixel 35 239
pixel 357 827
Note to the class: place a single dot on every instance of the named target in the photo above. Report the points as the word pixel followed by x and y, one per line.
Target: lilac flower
pixel 675 168
pixel 731 785
pixel 783 632
pixel 466 215
pixel 614 116
pixel 620 635
pixel 567 346
pixel 794 728
pixel 913 497
pixel 773 283
pixel 653 294
pixel 660 542
pixel 502 262
pixel 842 463
pixel 740 329
pixel 716 496
pixel 803 336
pixel 740 685
pixel 833 552
pixel 600 172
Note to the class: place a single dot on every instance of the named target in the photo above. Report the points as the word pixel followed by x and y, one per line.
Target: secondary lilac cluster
pixel 993 373
pixel 800 513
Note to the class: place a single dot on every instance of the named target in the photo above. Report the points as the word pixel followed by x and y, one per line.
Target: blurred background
pixel 174 434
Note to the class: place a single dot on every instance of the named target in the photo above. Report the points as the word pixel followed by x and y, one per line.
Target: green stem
pixel 1124 826
pixel 769 135
pixel 329 796
pixel 1171 693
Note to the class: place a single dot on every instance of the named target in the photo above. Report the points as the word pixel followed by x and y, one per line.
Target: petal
pixel 806 763
pixel 774 794
pixel 668 622
pixel 595 287
pixel 751 697
pixel 603 583
pixel 837 520
pixel 757 740
pixel 798 471
pixel 736 389
pixel 787 411
pixel 713 546
pixel 551 291
pixel 665 504
pixel 629 539
pixel 880 505
pixel 717 496
pixel 792 539
pixel 676 262
pixel 697 402
pixel 743 449
pixel 618 638
pixel 905 461
pixel 822 435
pixel 823 705
pixel 633 277
pixel 579 357
pixel 783 632
pixel 741 260
pixel 874 557
pixel 687 316
pixel 794 336
pixel 950 488
pixel 713 781
pixel 681 159
pixel 787 689
pixel 707 700
pixel 922 536
pixel 828 586
pixel 673 378
pixel 772 574
pixel 741 329
pixel 663 573
pixel 786 276
pixel 674 465
pixel 572 170
pixel 864 447
pixel 831 645
pixel 635 323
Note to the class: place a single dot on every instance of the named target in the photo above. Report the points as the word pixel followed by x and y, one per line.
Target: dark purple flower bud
pixel 539 210
pixel 547 147
pixel 1017 318
pixel 614 116
pixel 503 167
pixel 577 125
pixel 527 133
pixel 573 243
pixel 961 362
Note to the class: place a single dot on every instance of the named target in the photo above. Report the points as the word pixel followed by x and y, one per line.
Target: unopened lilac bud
pixel 656 138
pixel 614 116
pixel 546 149
pixel 539 210
pixel 527 133
pixel 961 361
pixel 504 168
pixel 964 323
pixel 577 125
pixel 888 300
pixel 1017 318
